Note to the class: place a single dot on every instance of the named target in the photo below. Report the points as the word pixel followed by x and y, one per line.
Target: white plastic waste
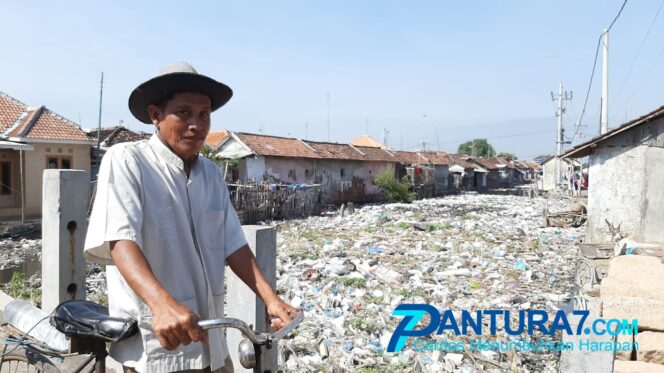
pixel 31 320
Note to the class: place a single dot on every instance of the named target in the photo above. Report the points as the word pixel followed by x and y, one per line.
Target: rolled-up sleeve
pixel 117 213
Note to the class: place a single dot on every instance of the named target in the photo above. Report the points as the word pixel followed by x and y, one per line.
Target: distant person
pixel 163 222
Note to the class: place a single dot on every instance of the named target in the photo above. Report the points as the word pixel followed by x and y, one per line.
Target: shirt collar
pixel 167 154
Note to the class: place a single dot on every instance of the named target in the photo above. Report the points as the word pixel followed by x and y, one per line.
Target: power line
pixel 638 53
pixel 592 74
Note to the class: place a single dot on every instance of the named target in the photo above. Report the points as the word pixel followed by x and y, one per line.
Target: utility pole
pixel 101 93
pixel 306 130
pixel 561 96
pixel 401 142
pixel 385 134
pixel 424 120
pixel 605 84
pixel 328 115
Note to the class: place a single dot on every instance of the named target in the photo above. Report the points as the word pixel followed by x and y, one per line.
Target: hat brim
pixel 156 89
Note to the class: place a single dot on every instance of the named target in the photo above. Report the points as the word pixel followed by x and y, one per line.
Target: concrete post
pixel 65 197
pixel 244 304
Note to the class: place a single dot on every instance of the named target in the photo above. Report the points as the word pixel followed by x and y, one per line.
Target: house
pixel 466 173
pixel 110 136
pixel 33 139
pixel 498 172
pixel 368 141
pixel 550 170
pixel 345 172
pixel 214 139
pixel 440 161
pixel 625 179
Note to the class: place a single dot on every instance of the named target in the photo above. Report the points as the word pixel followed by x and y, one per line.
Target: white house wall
pixel 625 186
pixel 653 195
pixel 254 168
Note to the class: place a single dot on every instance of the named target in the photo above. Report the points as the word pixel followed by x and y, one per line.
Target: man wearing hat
pixel 163 222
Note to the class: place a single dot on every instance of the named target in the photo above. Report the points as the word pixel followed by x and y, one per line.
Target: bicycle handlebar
pixel 256 338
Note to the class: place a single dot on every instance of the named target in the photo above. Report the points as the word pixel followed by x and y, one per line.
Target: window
pixel 5 178
pixel 343 173
pixel 63 163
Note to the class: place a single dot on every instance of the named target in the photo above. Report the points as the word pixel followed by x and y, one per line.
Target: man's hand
pixel 243 263
pixel 176 325
pixel 281 311
pixel 172 323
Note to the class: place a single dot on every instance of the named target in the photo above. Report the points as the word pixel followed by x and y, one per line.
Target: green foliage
pixel 404 225
pixel 394 191
pixel 19 288
pixel 477 148
pixel 354 282
pixel 508 156
pixel 211 154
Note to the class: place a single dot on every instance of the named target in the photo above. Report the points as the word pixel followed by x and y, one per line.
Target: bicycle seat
pixel 81 318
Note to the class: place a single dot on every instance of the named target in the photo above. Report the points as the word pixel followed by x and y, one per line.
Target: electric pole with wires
pixel 561 96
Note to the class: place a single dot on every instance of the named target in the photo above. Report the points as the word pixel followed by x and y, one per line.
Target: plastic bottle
pixel 24 316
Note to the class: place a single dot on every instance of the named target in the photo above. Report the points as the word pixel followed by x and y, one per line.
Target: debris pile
pixel 467 252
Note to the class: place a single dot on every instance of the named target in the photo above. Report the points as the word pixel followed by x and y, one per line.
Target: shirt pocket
pixel 153 348
pixel 214 233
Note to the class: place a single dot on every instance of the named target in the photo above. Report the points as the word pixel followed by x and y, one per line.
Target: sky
pixel 432 73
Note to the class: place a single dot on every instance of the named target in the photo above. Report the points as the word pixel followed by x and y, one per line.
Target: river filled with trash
pixel 465 252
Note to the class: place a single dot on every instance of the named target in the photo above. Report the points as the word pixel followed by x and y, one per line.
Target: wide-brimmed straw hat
pixel 178 77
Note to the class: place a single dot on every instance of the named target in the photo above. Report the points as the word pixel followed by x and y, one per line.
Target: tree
pixel 508 156
pixel 394 191
pixel 211 154
pixel 477 148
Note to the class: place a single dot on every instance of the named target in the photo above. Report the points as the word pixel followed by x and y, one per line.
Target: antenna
pixel 101 93
pixel 328 115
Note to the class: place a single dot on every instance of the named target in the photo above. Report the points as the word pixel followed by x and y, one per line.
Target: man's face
pixel 183 123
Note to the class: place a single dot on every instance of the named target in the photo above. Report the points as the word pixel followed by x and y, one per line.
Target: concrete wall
pixel 625 186
pixel 35 163
pixel 253 168
pixel 550 169
pixel 357 183
pixel 289 170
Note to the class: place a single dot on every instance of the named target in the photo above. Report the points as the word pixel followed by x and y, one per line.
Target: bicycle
pixel 89 327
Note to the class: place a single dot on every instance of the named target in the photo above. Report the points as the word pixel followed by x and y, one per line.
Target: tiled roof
pixel 408 157
pixel 17 120
pixel 116 135
pixel 276 146
pixel 438 158
pixel 492 163
pixel 214 139
pixel 366 140
pixel 10 110
pixel 462 160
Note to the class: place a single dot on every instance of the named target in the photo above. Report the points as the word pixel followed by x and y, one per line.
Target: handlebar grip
pixel 258 338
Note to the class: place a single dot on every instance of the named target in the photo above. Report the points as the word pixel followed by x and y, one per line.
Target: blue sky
pixel 438 71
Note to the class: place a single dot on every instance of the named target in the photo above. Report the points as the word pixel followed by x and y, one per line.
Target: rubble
pixel 459 252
